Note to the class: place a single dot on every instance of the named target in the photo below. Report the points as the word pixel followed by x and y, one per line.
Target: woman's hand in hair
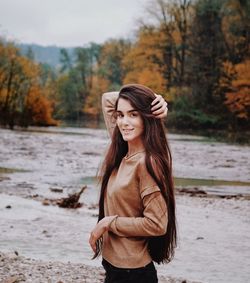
pixel 100 228
pixel 159 107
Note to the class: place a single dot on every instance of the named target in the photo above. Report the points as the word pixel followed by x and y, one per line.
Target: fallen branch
pixel 72 201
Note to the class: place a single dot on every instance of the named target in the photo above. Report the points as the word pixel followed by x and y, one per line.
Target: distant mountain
pixel 45 54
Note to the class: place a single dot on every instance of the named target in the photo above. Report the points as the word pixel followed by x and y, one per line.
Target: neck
pixel 134 147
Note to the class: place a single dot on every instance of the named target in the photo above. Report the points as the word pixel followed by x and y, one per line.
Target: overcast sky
pixel 68 22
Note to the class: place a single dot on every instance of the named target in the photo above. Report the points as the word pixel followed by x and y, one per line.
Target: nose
pixel 125 120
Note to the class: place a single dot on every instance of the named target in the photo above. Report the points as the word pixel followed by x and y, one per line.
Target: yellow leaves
pixel 3 95
pixel 8 51
pixel 177 37
pixel 29 68
pixel 142 63
pixel 149 77
pixel 147 49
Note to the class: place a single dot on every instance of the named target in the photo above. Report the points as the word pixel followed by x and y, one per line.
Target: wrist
pixel 108 221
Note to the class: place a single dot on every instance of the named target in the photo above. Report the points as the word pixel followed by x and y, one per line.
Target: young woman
pixel 136 224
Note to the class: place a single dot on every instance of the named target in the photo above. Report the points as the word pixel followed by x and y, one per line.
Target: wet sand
pixel 214 232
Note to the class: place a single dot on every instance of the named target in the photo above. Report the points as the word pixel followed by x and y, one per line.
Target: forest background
pixel 195 53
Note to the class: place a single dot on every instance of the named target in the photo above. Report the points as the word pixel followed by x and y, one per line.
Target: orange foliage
pixel 238 99
pixel 40 107
pixel 23 99
pixel 150 77
pixel 140 63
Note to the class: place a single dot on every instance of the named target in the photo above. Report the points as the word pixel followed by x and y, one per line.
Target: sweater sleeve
pixel 152 223
pixel 154 219
pixel 108 108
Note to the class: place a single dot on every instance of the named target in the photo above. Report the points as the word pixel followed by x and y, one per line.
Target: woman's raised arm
pixel 108 108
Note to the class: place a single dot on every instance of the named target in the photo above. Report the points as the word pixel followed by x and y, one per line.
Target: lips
pixel 127 131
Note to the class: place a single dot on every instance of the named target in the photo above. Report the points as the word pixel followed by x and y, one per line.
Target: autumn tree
pixel 236 85
pixel 238 97
pixel 19 76
pixel 141 64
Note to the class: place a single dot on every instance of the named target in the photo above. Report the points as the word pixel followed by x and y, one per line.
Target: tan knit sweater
pixel 135 201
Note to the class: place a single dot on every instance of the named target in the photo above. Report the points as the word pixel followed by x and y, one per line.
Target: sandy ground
pixel 214 243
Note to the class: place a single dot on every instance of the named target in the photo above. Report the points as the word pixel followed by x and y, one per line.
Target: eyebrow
pixel 132 110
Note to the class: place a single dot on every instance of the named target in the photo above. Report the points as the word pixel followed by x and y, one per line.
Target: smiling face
pixel 129 121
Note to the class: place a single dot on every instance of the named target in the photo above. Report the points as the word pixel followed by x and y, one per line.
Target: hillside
pixel 45 54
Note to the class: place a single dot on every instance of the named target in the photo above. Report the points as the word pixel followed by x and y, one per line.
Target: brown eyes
pixel 134 114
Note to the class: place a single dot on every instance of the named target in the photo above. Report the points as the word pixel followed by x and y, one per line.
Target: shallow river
pixel 214 233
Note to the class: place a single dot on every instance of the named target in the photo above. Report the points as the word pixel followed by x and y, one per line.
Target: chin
pixel 129 139
pixel 126 138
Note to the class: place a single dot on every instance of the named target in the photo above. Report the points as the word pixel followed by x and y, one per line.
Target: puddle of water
pixel 4 170
pixel 191 140
pixel 207 182
pixel 89 180
pixel 187 182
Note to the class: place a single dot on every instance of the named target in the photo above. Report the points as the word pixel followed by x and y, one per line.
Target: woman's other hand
pixel 101 227
pixel 159 107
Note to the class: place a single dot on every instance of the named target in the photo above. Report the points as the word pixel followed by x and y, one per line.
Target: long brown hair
pixel 158 163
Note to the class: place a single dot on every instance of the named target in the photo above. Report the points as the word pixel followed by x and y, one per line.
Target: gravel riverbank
pixel 15 269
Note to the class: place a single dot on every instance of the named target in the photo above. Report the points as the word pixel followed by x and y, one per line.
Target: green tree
pixel 30 54
pixel 69 99
pixel 86 61
pixel 75 81
pixel 111 65
pixel 208 52
pixel 65 61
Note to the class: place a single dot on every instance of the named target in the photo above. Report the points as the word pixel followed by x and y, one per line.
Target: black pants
pixel 146 274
